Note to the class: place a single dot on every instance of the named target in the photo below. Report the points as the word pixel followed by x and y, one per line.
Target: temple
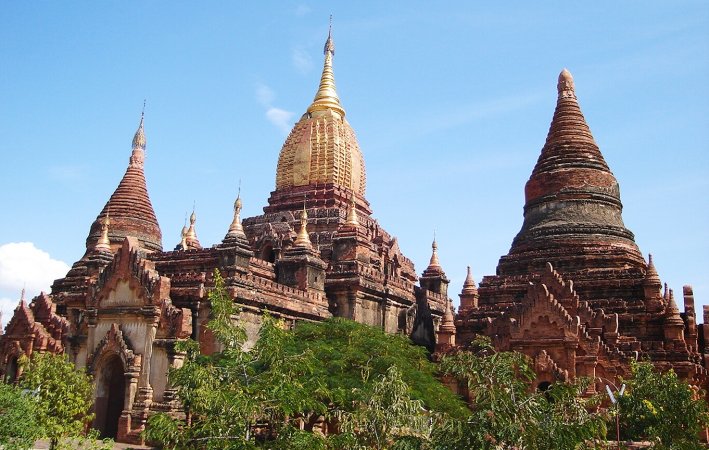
pixel 574 293
pixel 316 252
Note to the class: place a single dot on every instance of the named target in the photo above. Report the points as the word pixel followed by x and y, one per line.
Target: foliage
pixel 564 418
pixel 387 417
pixel 19 427
pixel 375 389
pixel 662 408
pixel 64 396
pixel 237 398
pixel 273 395
pixel 508 413
pixel 350 355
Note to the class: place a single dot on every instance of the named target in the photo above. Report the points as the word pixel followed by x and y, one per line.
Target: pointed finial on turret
pixel 469 283
pixel 672 311
pixel 104 244
pixel 434 254
pixel 139 137
pixel 183 237
pixel 236 229
pixel 666 294
pixel 469 293
pixel 191 234
pixel 651 275
pixel 448 316
pixel 329 44
pixel 326 98
pixel 303 238
pixel 565 86
pixel 22 295
pixel 446 331
pixel 352 212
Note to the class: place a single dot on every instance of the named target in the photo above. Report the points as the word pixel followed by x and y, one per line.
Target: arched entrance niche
pixel 11 374
pixel 110 395
pixel 268 254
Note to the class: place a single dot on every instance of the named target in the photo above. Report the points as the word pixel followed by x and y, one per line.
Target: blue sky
pixel 451 102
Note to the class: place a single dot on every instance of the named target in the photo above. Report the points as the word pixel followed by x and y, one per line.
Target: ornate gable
pixel 562 334
pixel 33 327
pixel 129 280
pixel 113 343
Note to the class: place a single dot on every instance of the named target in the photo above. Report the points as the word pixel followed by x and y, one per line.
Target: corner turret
pixel 469 294
pixel 674 325
pixel 301 266
pixel 446 331
pixel 652 288
pixel 235 251
pixel 434 278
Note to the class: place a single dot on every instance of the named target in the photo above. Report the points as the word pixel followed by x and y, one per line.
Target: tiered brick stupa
pixel 574 293
pixel 129 208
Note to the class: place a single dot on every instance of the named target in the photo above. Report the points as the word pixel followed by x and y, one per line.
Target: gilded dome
pixel 322 147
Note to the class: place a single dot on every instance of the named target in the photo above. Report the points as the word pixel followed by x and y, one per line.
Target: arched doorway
pixel 11 370
pixel 268 254
pixel 544 386
pixel 110 397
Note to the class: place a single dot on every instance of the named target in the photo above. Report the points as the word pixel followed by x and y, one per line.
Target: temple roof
pixel 573 205
pixel 326 98
pixel 131 213
pixel 322 147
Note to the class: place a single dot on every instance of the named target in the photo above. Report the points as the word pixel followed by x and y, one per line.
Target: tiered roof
pixel 130 210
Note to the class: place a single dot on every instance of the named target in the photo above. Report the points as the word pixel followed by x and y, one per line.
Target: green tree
pixel 237 398
pixel 565 418
pixel 274 394
pixel 19 425
pixel 64 396
pixel 350 356
pixel 387 418
pixel 508 413
pixel 662 408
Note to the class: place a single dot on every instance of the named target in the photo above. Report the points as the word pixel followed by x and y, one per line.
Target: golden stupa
pixel 322 147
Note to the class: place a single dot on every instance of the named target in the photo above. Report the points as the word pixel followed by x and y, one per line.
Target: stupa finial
pixel 326 98
pixel 352 212
pixel 565 86
pixel 303 238
pixel 434 253
pixel 137 157
pixel 236 229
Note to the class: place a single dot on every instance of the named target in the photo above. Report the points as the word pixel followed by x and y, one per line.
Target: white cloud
pixel 7 306
pixel 277 116
pixel 280 118
pixel 302 60
pixel 265 95
pixel 24 265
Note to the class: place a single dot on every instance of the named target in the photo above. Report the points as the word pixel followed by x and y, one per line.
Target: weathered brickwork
pixel 315 253
pixel 574 292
